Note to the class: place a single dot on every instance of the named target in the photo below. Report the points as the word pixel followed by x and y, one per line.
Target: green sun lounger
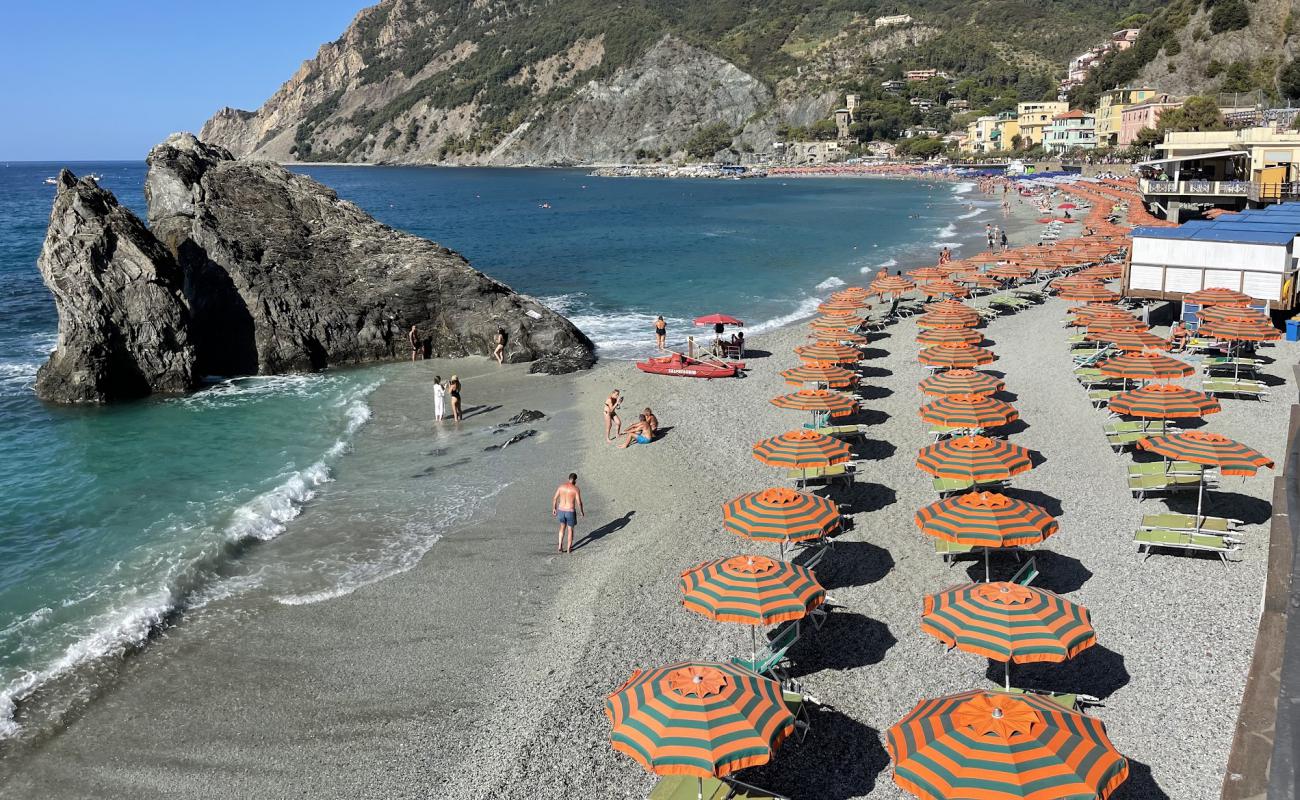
pixel 1100 397
pixel 1068 701
pixel 685 787
pixel 1026 574
pixel 949 551
pixel 1137 426
pixel 1142 485
pixel 1191 522
pixel 842 431
pixel 1088 374
pixel 798 702
pixel 1163 468
pixel 1238 388
pixel 940 431
pixel 1119 441
pixel 1226 547
pixel 836 473
pixel 947 486
pixel 770 659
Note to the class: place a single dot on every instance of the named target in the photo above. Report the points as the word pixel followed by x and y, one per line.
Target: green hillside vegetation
pixel 767 38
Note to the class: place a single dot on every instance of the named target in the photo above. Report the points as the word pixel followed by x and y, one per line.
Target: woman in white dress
pixel 439 398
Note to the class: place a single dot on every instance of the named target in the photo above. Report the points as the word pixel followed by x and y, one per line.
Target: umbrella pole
pixel 986 565
pixel 1006 674
pixel 753 644
pixel 700 792
pixel 1200 495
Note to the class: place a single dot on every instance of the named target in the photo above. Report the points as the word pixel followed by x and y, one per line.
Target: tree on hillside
pixel 1147 138
pixel 1229 15
pixel 1238 78
pixel 706 141
pixel 1196 114
pixel 1288 80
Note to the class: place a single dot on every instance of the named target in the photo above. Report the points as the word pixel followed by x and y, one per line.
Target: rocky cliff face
pixel 252 269
pixel 123 319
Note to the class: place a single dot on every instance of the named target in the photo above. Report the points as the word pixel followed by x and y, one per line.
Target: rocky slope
pixel 565 81
pixel 252 269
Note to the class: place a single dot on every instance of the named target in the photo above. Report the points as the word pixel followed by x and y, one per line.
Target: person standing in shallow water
pixel 566 505
pixel 453 391
pixel 439 398
pixel 661 332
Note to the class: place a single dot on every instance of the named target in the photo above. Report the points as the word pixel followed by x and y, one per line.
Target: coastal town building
pixel 1079 66
pixel 851 103
pixel 1110 112
pixel 921 103
pixel 1198 170
pixel 1008 132
pixel 1073 130
pixel 843 118
pixel 811 153
pixel 958 104
pixel 893 86
pixel 914 75
pixel 896 19
pixel 981 134
pixel 1143 115
pixel 1035 117
pixel 919 130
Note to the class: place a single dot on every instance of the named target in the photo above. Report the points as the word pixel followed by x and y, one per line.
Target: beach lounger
pixel 1086 358
pixel 949 551
pixel 1100 397
pixel 686 787
pixel 1138 426
pixel 1226 547
pixel 855 432
pixel 1119 441
pixel 1026 574
pixel 1238 388
pixel 1190 522
pixel 1142 485
pixel 798 703
pixel 1166 467
pixel 940 431
pixel 947 486
pixel 837 473
pixel 770 660
pixel 1225 364
pixel 1070 701
pixel 1032 295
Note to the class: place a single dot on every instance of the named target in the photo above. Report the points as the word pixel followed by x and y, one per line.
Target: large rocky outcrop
pixel 283 275
pixel 123 320
pixel 252 269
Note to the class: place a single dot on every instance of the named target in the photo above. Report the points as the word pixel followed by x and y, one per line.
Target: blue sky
pixel 108 79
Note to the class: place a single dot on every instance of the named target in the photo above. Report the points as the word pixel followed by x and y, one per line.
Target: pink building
pixel 1123 40
pixel 1143 115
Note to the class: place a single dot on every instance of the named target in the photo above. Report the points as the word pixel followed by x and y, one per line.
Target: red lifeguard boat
pixel 686 367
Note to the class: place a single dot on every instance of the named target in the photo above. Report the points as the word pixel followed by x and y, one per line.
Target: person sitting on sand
pixel 639 432
pixel 612 422
pixel 1179 336
pixel 651 421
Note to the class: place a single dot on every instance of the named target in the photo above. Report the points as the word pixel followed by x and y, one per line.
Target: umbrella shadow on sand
pixel 874 450
pixel 873 372
pixel 869 353
pixel 847 640
pixel 866 416
pixel 873 392
pixel 864 496
pixel 1220 503
pixel 1056 573
pixel 1141 784
pixel 1098 671
pixel 1044 501
pixel 853 564
pixel 841 758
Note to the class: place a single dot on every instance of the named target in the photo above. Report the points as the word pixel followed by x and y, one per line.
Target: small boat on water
pixel 686 367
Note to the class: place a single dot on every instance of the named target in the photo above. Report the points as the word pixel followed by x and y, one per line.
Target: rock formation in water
pixel 124 324
pixel 251 269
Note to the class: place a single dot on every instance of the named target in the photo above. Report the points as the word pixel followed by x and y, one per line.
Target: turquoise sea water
pixel 115 519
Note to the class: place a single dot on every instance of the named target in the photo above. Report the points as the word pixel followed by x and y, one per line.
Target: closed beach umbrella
pixel 961 381
pixel 1001 746
pixel 978 459
pixel 818 401
pixel 955 354
pixel 780 515
pixel 802 450
pixel 1163 401
pixel 985 519
pixel 1089 293
pixel 1208 449
pixel 828 353
pixel 890 284
pixel 1145 367
pixel 948 319
pixel 968 411
pixel 835 377
pixel 948 335
pixel 701 719
pixel 1129 340
pixel 1008 622
pixel 718 319
pixel 752 590
pixel 1216 295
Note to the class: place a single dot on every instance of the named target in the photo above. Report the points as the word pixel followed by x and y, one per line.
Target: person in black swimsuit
pixel 453 391
pixel 661 332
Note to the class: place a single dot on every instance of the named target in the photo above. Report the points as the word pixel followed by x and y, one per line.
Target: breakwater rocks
pixel 247 268
pixel 673 171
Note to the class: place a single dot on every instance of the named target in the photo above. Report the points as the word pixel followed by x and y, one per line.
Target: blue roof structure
pixel 1276 224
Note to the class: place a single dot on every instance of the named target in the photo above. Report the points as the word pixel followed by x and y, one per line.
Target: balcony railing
pixel 1151 186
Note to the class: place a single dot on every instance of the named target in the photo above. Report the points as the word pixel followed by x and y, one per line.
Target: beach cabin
pixel 1253 251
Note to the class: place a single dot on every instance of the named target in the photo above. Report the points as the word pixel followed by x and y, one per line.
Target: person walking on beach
pixel 453 391
pixel 661 332
pixel 499 352
pixel 1004 240
pixel 566 505
pixel 413 336
pixel 439 398
pixel 612 421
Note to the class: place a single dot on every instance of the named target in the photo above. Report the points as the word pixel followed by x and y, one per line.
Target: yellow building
pixel 1008 130
pixel 980 136
pixel 1110 112
pixel 1033 119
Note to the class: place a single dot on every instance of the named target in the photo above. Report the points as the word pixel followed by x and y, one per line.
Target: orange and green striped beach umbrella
pixel 818 400
pixel 928 273
pixel 955 354
pixel 828 353
pixel 837 322
pixel 1209 449
pixel 978 459
pixel 985 519
pixel 1232 312
pixel 1087 293
pixel 1216 295
pixel 891 284
pixel 949 334
pixel 1106 324
pixel 833 376
pixel 961 381
pixel 837 336
pixel 842 305
pixel 851 293
pixel 801 450
pixel 968 411
pixel 944 286
pixel 1240 329
pixel 751 590
pixel 780 515
pixel 948 304
pixel 701 719
pixel 948 319
pixel 1145 366
pixel 1008 622
pixel 1163 401
pixel 1129 340
pixel 1008 271
pixel 982 745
